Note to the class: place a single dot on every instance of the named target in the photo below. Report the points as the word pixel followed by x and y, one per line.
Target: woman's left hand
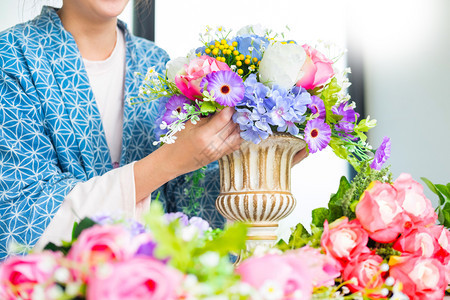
pixel 299 156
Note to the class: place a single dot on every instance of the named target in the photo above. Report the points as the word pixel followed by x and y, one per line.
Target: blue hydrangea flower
pixel 255 43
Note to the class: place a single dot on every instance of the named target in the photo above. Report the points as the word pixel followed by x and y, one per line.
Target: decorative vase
pixel 255 186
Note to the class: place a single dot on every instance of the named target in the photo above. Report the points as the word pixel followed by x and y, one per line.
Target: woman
pixel 70 146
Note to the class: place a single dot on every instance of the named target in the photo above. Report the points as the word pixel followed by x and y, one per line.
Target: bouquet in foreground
pixel 275 86
pixel 376 240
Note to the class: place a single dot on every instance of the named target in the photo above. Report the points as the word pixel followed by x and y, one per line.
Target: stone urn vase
pixel 255 186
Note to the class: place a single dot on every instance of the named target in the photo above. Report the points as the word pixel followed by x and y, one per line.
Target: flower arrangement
pixel 376 240
pixel 274 84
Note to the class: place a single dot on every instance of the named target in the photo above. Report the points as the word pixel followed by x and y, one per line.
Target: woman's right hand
pixel 207 141
pixel 196 146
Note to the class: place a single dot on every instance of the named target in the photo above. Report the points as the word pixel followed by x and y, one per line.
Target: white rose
pixel 175 67
pixel 252 29
pixel 282 65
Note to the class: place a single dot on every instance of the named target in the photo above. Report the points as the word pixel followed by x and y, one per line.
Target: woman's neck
pixel 95 37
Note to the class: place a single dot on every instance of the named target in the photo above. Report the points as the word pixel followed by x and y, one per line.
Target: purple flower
pixel 227 86
pixel 317 135
pixel 242 116
pixel 317 106
pixel 382 154
pixel 175 103
pixel 349 117
pixel 200 224
pixel 146 249
pixel 184 221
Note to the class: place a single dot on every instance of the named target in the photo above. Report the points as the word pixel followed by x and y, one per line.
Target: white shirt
pixel 114 192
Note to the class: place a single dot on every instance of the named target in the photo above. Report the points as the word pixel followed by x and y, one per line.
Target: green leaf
pixel 433 188
pixel 231 240
pixel 78 228
pixel 319 215
pixel 335 204
pixel 446 214
pixel 208 107
pixel 52 247
pixel 365 125
pixel 443 189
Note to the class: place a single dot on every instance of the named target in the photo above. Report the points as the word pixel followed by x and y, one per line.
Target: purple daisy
pixel 317 106
pixel 227 86
pixel 317 135
pixel 382 154
pixel 175 103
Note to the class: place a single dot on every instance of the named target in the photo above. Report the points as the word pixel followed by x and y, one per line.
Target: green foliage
pixel 194 191
pixel 301 237
pixel 443 192
pixel 344 201
pixel 182 253
pixel 330 97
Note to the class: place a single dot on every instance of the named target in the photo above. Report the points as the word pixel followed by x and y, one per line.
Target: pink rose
pixel 19 275
pixel 422 278
pixel 283 275
pixel 137 278
pixel 442 234
pixel 98 245
pixel 344 240
pixel 419 241
pixel 317 69
pixel 324 269
pixel 365 272
pixel 380 213
pixel 189 81
pixel 413 201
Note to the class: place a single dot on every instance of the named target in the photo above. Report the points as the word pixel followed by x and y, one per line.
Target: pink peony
pixel 380 213
pixel 365 272
pixel 317 69
pixel 413 201
pixel 322 268
pixel 344 240
pixel 189 81
pixel 422 278
pixel 284 276
pixel 442 234
pixel 420 241
pixel 98 245
pixel 19 275
pixel 137 278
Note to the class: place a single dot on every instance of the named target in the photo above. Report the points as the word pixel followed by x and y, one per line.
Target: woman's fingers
pixel 299 156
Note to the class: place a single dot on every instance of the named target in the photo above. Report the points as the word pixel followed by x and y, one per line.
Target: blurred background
pixel 398 50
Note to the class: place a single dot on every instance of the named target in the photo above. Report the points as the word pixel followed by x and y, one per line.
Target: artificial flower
pixel 380 213
pixel 382 154
pixel 349 117
pixel 422 278
pixel 100 244
pixel 188 82
pixel 364 272
pixel 416 205
pixel 281 65
pixel 344 240
pixel 226 87
pixel 137 278
pixel 317 135
pixel 175 104
pixel 316 70
pixel 20 275
pixel 419 241
pixel 317 107
pixel 287 273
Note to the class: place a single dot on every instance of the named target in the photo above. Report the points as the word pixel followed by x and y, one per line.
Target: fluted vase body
pixel 255 185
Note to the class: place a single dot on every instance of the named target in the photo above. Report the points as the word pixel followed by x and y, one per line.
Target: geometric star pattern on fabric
pixel 51 134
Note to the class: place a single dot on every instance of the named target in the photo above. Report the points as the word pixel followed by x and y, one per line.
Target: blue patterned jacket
pixel 51 134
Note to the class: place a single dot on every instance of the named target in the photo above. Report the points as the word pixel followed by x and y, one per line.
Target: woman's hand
pixel 299 156
pixel 207 141
pixel 196 146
